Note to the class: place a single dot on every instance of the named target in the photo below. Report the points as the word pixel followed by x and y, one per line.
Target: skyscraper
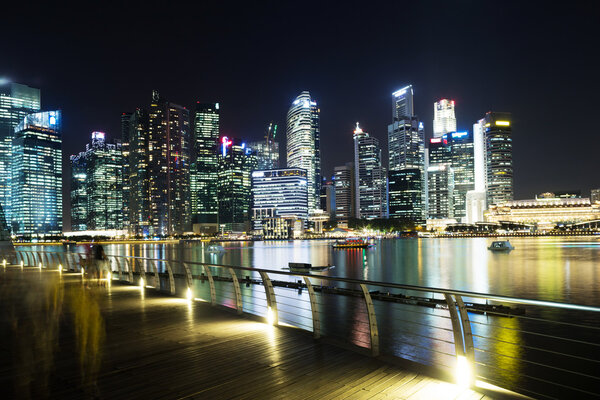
pixel 267 150
pixel 345 194
pixel 444 118
pixel 98 182
pixel 498 157
pixel 125 128
pixel 234 185
pixel 36 176
pixel 463 165
pixel 204 169
pixel 16 102
pixel 370 177
pixel 159 159
pixel 406 144
pixel 404 193
pixel 303 143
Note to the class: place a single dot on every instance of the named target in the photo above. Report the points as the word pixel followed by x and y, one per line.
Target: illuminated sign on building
pixel 225 142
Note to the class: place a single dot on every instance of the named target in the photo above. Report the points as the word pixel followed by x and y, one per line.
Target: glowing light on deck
pixel 142 283
pixel 4 263
pixel 270 316
pixel 189 295
pixel 463 373
pixel 21 264
pixel 40 265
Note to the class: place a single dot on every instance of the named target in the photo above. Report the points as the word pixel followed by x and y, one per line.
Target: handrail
pixel 462 293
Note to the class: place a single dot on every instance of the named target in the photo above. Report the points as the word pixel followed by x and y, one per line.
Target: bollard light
pixel 21 264
pixel 464 375
pixel 4 263
pixel 189 295
pixel 141 283
pixel 270 316
pixel 40 266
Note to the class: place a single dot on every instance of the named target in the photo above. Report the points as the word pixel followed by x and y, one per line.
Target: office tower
pixel 405 193
pixel 267 150
pixel 444 119
pixel 498 157
pixel 205 205
pixel 328 197
pixel 125 128
pixel 440 180
pixel 595 195
pixel 97 176
pixel 159 159
pixel 406 143
pixel 403 104
pixel 284 190
pixel 370 179
pixel 36 176
pixel 79 198
pixel 16 102
pixel 345 194
pixel 303 143
pixel 476 199
pixel 234 185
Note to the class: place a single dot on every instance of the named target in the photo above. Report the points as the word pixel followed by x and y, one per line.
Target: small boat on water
pixel 304 267
pixel 501 245
pixel 214 248
pixel 351 243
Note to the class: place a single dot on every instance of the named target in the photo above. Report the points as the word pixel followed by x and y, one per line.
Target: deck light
pixel 464 375
pixel 21 264
pixel 40 266
pixel 270 316
pixel 4 263
pixel 189 294
pixel 142 283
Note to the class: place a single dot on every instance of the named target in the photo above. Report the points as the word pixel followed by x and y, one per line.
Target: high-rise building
pixel 440 181
pixel 498 157
pixel 370 177
pixel 406 142
pixel 345 194
pixel 205 205
pixel 159 159
pixel 267 150
pixel 36 176
pixel 476 199
pixel 595 195
pixel 463 166
pixel 16 102
pixel 97 178
pixel 303 143
pixel 444 118
pixel 404 193
pixel 328 197
pixel 125 128
pixel 234 185
pixel 284 190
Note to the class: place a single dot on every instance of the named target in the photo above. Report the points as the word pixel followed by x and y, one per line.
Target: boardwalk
pixel 62 340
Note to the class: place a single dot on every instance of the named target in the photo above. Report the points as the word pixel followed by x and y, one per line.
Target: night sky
pixel 536 60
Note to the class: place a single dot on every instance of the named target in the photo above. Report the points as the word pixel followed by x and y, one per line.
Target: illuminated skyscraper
pixel 498 157
pixel 267 150
pixel 405 193
pixel 16 102
pixel 36 176
pixel 444 118
pixel 370 177
pixel 125 128
pixel 159 159
pixel 204 169
pixel 234 184
pixel 406 143
pixel 303 143
pixel 345 194
pixel 97 201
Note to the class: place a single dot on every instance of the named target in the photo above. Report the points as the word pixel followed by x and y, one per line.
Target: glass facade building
pixel 205 166
pixel 370 177
pixel 284 190
pixel 267 150
pixel 444 117
pixel 498 157
pixel 404 193
pixel 234 184
pixel 36 176
pixel 97 176
pixel 16 102
pixel 303 143
pixel 345 194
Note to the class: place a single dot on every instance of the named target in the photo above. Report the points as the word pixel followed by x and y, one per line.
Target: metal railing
pixel 538 348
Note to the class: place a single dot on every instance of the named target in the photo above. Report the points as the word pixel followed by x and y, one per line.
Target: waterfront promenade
pixel 61 339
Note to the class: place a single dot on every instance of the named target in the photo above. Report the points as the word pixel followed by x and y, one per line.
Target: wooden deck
pixel 62 340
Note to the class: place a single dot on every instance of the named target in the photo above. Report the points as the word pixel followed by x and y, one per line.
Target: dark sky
pixel 536 60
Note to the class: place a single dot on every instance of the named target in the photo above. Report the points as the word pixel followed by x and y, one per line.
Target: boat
pixel 501 245
pixel 214 248
pixel 351 243
pixel 305 267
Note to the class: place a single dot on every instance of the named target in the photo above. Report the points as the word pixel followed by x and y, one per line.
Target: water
pixel 507 349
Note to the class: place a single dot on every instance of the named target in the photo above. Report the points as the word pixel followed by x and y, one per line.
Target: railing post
pixel 211 283
pixel 119 268
pixel 466 328
pixel 238 293
pixel 271 301
pixel 372 321
pixel 458 338
pixel 188 274
pixel 29 257
pixel 313 307
pixel 67 262
pixel 142 269
pixel 156 277
pixel 47 260
pixel 171 278
pixel 130 269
